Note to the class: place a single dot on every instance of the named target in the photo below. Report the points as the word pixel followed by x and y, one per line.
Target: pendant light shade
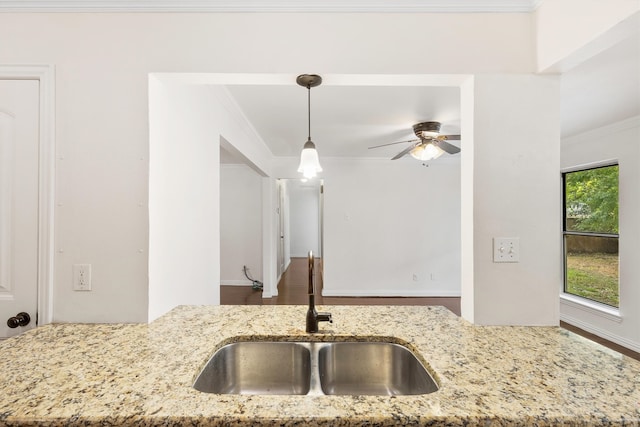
pixel 309 161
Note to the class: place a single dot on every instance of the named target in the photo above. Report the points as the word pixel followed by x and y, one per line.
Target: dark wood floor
pixel 292 289
pixel 606 343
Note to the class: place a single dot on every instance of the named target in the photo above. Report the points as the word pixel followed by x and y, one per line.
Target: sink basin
pixel 257 368
pixel 372 368
pixel 315 368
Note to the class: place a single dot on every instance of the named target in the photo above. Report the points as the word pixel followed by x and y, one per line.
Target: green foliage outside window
pixel 591 261
pixel 592 200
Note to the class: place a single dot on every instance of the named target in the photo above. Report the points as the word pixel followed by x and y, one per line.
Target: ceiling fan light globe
pixel 309 163
pixel 426 152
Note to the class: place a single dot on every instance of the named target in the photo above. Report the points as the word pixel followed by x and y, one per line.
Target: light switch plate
pixel 506 249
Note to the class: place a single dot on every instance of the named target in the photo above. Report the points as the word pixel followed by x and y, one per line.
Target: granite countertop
pixel 136 374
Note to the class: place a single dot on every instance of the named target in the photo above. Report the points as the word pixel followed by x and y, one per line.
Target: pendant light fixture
pixel 309 162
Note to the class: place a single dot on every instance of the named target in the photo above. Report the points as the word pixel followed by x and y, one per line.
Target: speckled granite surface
pixel 76 374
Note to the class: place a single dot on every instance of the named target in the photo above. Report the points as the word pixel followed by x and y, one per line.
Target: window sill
pixel 592 307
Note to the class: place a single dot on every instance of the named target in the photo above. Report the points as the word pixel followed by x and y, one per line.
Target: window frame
pixel 568 296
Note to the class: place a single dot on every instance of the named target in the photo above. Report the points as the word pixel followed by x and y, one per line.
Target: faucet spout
pixel 313 317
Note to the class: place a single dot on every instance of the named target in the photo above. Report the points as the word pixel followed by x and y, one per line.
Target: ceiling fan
pixel 429 145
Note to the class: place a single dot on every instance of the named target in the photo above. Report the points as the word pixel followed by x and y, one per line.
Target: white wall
pixel 516 193
pixel 269 237
pixel 618 141
pixel 187 124
pixel 304 219
pixel 102 116
pixel 467 238
pixel 102 66
pixel 385 221
pixel 184 231
pixel 240 224
pixel 570 31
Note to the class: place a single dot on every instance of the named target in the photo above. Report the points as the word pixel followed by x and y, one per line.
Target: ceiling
pixel 346 120
pixel 602 90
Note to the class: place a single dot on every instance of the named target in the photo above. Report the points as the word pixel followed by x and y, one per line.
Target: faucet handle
pixel 325 317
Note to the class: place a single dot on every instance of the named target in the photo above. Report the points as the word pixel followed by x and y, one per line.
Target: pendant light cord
pixel 309 110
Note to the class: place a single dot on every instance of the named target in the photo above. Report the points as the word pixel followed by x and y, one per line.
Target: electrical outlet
pixel 81 277
pixel 506 249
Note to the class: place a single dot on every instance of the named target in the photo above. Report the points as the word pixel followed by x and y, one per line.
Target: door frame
pixel 45 74
pixel 280 238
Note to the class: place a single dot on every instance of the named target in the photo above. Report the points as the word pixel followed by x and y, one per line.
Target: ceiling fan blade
pixel 405 151
pixel 450 137
pixel 446 147
pixel 393 143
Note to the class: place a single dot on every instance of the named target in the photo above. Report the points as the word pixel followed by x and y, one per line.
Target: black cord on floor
pixel 256 284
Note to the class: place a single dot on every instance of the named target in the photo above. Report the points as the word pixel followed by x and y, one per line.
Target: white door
pixel 19 139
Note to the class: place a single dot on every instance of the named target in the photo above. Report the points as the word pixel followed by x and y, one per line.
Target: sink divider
pixel 315 387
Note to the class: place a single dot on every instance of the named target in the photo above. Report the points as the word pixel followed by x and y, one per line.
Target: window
pixel 591 234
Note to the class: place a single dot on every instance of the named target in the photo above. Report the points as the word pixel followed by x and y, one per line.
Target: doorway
pixel 300 223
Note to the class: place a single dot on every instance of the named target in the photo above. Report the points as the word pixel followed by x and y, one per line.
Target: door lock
pixel 20 319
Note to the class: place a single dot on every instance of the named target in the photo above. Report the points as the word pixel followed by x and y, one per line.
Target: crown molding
pixel 273 6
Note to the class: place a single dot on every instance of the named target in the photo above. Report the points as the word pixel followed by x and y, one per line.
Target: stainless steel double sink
pixel 315 368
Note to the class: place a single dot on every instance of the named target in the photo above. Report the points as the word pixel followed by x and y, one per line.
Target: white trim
pixel 391 294
pixel 231 106
pixel 46 76
pixel 236 283
pixel 235 111
pixel 273 6
pixel 225 79
pixel 243 166
pixel 591 307
pixel 632 345
pixel 591 165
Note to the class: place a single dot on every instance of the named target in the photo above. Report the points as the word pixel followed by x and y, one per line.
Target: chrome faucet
pixel 313 317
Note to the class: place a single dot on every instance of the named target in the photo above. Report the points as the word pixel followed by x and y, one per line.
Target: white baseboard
pixel 591 307
pixel 391 293
pixel 631 345
pixel 236 283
